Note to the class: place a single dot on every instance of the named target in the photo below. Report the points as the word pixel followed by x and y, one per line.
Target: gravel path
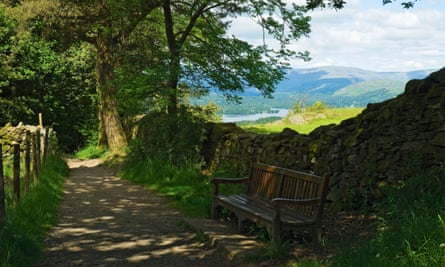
pixel 106 221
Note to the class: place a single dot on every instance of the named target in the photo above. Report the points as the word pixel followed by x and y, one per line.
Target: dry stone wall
pixel 386 143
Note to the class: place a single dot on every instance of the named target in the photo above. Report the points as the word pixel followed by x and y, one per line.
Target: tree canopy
pixel 140 56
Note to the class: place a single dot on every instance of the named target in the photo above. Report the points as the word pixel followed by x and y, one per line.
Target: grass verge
pixel 27 223
pixel 190 192
pixel 91 152
pixel 188 189
pixel 410 230
pixel 411 224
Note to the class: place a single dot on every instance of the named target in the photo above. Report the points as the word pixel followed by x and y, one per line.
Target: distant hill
pixel 328 80
pixel 336 86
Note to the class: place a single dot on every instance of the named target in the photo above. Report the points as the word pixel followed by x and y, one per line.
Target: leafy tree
pixel 318 106
pixel 35 79
pixel 406 4
pixel 106 25
pixel 338 4
pixel 201 55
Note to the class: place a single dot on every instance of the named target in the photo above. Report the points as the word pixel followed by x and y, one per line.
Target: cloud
pixel 375 37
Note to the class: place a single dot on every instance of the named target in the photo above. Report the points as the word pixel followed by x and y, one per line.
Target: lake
pixel 282 112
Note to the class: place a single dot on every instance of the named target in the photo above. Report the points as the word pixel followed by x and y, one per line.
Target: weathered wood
pixel 2 192
pixel 16 173
pixel 27 177
pixel 278 198
pixel 45 142
pixel 36 156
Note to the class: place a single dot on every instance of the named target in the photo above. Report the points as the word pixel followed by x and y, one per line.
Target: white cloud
pixel 382 38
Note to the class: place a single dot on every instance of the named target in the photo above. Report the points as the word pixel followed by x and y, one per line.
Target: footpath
pixel 106 221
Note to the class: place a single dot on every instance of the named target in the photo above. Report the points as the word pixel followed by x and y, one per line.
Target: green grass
pixel 411 228
pixel 27 223
pixel 411 219
pixel 188 189
pixel 313 120
pixel 91 152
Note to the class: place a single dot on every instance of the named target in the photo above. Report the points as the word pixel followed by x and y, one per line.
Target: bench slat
pixel 299 199
pixel 262 210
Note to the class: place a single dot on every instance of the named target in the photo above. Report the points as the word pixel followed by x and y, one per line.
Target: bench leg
pixel 276 227
pixel 240 223
pixel 215 213
pixel 316 235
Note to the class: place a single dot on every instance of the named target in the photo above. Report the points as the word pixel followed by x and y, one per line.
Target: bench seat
pixel 277 198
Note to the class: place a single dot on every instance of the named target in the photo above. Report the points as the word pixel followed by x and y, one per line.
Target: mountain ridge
pixel 337 86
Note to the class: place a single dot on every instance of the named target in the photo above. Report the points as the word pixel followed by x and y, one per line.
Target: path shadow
pixel 106 221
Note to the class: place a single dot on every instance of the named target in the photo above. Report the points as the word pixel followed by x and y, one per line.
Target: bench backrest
pixel 267 182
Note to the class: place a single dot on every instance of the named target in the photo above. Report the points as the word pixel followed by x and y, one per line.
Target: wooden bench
pixel 279 199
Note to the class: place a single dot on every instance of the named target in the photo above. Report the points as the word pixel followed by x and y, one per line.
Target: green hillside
pixel 392 87
pixel 304 122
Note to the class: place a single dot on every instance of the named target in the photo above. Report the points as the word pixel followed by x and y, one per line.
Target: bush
pixel 177 139
pixel 317 107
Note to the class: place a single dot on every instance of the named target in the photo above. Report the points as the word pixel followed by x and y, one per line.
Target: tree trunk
pixel 102 136
pixel 110 125
pixel 174 67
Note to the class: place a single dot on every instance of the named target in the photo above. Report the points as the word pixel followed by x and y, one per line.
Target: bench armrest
pixel 280 202
pixel 217 181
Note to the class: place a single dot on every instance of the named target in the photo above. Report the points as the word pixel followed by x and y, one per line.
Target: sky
pixel 365 34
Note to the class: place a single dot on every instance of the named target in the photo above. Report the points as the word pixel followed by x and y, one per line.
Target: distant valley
pixel 335 86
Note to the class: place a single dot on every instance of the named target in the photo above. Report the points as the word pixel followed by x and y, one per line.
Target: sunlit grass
pixel 312 120
pixel 27 223
pixel 91 152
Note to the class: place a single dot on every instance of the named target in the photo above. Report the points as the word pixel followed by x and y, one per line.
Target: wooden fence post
pixel 40 120
pixel 38 150
pixel 45 142
pixel 35 156
pixel 27 161
pixel 16 173
pixel 2 192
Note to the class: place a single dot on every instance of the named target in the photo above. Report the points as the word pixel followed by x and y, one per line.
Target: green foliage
pixel 317 107
pixel 201 55
pixel 175 139
pixel 22 239
pixel 278 250
pixel 37 78
pixel 91 152
pixel 189 191
pixel 297 108
pixel 411 229
pixel 406 4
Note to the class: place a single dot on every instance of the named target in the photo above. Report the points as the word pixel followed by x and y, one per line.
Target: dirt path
pixel 106 221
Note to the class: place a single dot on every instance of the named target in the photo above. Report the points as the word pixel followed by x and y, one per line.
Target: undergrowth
pixel 27 223
pixel 411 227
pixel 411 222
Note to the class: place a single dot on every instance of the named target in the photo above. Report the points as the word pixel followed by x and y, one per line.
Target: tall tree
pixel 105 24
pixel 201 50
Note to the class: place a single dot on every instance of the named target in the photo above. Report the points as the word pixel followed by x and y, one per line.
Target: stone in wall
pixel 386 143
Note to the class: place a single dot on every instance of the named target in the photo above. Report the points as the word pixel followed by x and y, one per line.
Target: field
pixel 304 122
